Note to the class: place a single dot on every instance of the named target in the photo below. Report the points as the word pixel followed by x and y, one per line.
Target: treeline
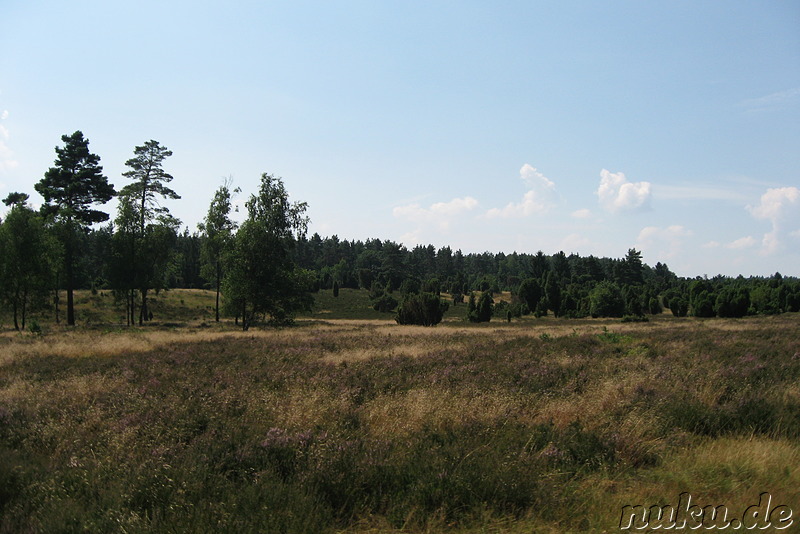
pixel 268 267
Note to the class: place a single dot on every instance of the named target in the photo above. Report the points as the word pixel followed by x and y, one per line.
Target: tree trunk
pixel 143 308
pixel 16 324
pixel 70 296
pixel 57 299
pixel 216 306
pixel 24 307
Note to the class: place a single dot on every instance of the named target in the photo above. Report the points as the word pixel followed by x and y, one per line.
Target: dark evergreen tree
pixel 70 189
pixel 424 309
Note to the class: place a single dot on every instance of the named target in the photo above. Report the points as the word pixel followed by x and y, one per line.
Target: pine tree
pixel 69 189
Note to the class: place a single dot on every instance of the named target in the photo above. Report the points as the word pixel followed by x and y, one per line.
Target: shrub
pixel 703 305
pixel 605 300
pixel 480 312
pixel 679 307
pixel 424 309
pixel 732 302
pixel 385 303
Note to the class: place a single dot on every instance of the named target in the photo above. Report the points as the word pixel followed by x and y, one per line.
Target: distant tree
pixel 539 266
pixel 217 235
pixel 703 304
pixel 480 311
pixel 605 300
pixel 732 302
pixel 155 227
pixel 552 292
pixel 424 309
pixel 530 293
pixel 679 306
pixel 26 251
pixel 69 189
pixel 381 300
pixel 630 269
pixel 263 277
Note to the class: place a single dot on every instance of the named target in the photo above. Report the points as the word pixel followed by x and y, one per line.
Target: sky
pixel 583 127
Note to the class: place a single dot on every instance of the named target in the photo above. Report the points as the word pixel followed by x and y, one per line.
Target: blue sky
pixel 588 127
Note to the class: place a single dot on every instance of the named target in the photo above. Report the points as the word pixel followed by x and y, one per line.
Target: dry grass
pixel 368 426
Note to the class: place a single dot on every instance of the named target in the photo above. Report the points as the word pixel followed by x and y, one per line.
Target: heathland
pixel 349 422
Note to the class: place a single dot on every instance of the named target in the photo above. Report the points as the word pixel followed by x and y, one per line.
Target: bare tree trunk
pixel 216 307
pixel 143 308
pixel 70 282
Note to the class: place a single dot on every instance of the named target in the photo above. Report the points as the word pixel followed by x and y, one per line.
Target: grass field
pixel 348 422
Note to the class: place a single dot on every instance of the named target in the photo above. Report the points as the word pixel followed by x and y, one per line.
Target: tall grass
pixel 368 426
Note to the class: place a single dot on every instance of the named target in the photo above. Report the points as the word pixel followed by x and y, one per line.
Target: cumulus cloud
pixel 581 214
pixel 617 194
pixel 665 243
pixel 780 206
pixel 742 242
pixel 7 160
pixel 537 200
pixel 440 213
pixel 575 243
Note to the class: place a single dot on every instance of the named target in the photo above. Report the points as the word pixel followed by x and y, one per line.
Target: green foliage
pixel 605 300
pixel 424 309
pixel 217 235
pixel 703 304
pixel 732 302
pixel 27 257
pixel 263 278
pixel 147 228
pixel 480 311
pixel 552 293
pixel 766 299
pixel 70 189
pixel 679 306
pixel 530 293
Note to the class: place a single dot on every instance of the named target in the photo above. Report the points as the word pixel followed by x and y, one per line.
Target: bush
pixel 424 309
pixel 605 300
pixel 732 302
pixel 679 307
pixel 385 303
pixel 703 305
pixel 480 312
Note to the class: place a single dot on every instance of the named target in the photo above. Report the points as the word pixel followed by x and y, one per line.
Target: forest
pixel 268 268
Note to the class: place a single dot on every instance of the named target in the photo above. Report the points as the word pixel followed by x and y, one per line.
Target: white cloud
pixel 617 194
pixel 742 242
pixel 780 206
pixel 712 244
pixel 537 200
pixel 440 213
pixel 581 214
pixel 575 243
pixel 664 243
pixel 7 160
pixel 778 100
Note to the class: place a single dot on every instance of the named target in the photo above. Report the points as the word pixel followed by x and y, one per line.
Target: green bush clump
pixel 424 309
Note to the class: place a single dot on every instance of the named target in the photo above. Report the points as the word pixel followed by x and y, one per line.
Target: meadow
pixel 348 422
